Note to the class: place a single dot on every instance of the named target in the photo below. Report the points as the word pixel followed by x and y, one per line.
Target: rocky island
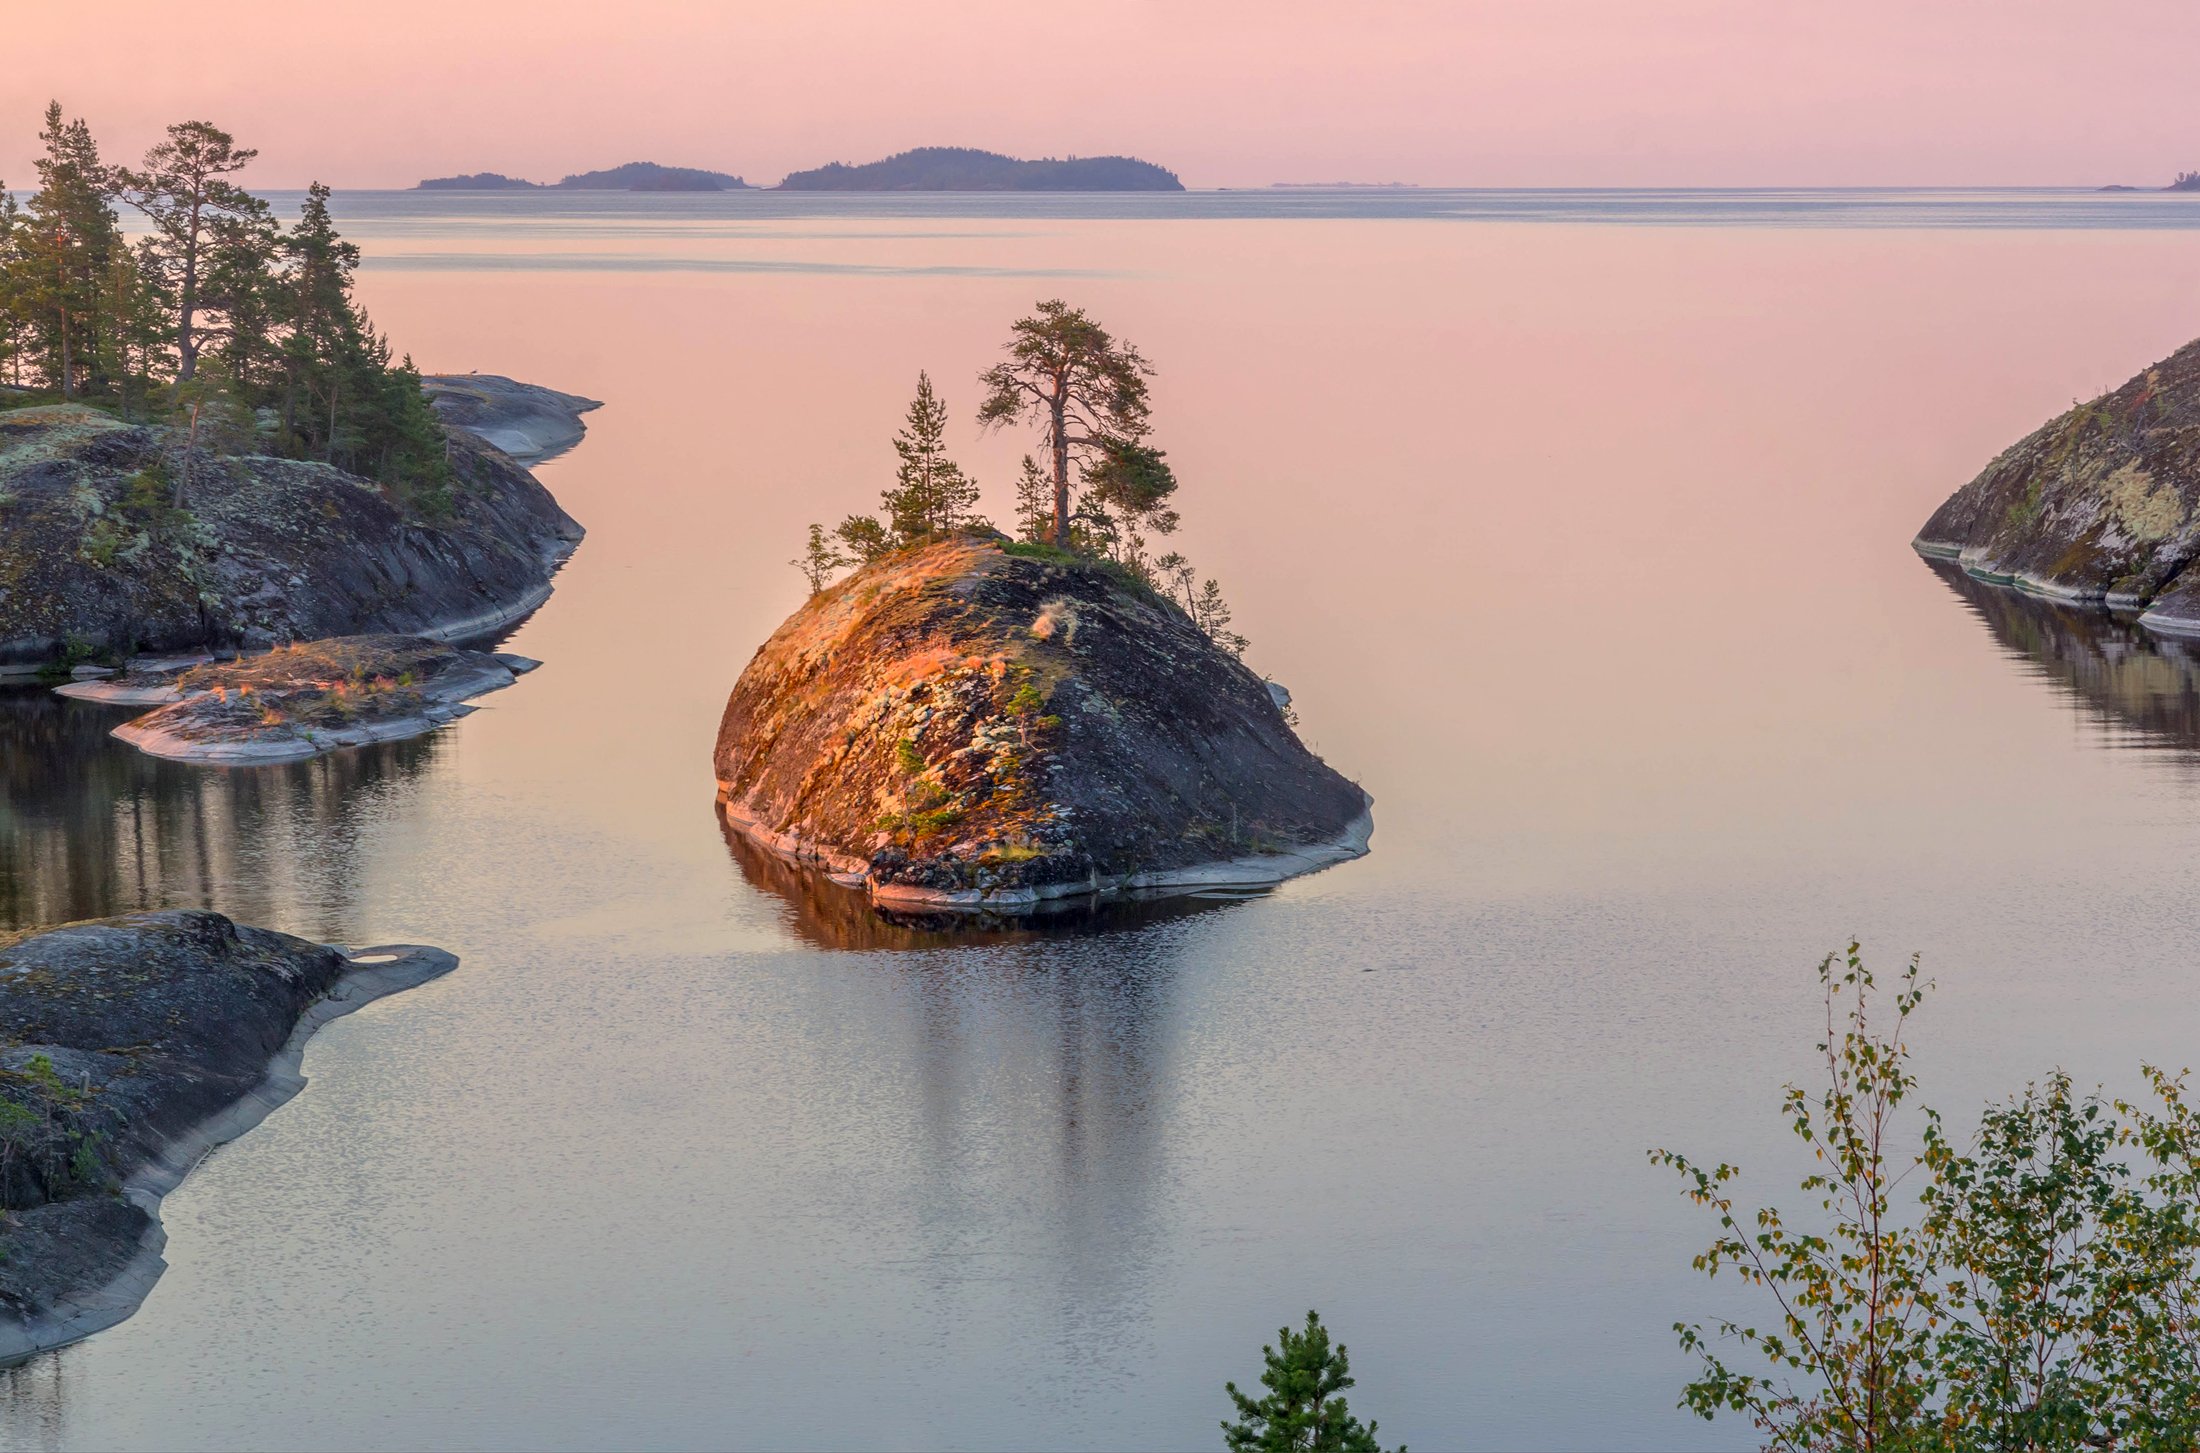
pixel 2099 505
pixel 301 700
pixel 975 724
pixel 965 169
pixel 633 176
pixel 129 1047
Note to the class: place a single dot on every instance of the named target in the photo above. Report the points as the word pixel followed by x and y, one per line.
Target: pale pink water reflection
pixel 1584 548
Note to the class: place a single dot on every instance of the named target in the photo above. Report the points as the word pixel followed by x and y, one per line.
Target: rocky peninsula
pixel 525 420
pixel 129 1047
pixel 975 725
pixel 2100 505
pixel 122 538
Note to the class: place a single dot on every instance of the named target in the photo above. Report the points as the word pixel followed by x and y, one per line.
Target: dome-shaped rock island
pixel 2101 504
pixel 970 724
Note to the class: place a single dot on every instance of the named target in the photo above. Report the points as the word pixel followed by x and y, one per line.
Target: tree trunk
pixel 190 453
pixel 187 302
pixel 1061 472
pixel 68 362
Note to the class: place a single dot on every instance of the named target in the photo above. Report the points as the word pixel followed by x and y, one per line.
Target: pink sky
pixel 1227 92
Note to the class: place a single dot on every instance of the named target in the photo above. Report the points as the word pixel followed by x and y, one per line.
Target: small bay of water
pixel 1577 525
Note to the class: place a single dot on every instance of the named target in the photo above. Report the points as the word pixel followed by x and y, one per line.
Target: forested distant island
pixel 2186 182
pixel 963 169
pixel 634 176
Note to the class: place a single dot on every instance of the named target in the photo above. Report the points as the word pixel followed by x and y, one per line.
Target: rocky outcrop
pixel 302 700
pixel 525 420
pixel 975 726
pixel 2100 505
pixel 128 1048
pixel 95 562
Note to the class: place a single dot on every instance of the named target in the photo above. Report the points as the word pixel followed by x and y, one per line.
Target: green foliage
pixel 1034 503
pixel 1026 700
pixel 930 497
pixel 1083 389
pixel 931 494
pixel 2035 1291
pixel 908 758
pixel 933 820
pixel 819 560
pixel 216 314
pixel 865 538
pixel 1302 1408
pixel 1041 550
pixel 1205 605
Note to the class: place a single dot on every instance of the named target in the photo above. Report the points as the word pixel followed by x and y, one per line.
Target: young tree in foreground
pixel 1085 390
pixel 1301 1412
pixel 2032 1294
pixel 184 191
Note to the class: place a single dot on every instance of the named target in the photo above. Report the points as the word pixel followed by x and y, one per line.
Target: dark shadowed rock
pixel 128 1047
pixel 2099 505
pixel 271 549
pixel 526 421
pixel 961 727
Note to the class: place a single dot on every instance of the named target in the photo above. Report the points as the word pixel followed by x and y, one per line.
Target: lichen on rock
pixel 2100 504
pixel 310 697
pixel 96 560
pixel 965 724
pixel 128 1048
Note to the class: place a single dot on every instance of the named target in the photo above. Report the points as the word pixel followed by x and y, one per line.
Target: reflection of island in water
pixel 90 827
pixel 821 912
pixel 2127 678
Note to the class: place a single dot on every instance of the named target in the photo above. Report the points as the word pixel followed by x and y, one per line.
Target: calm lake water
pixel 1577 525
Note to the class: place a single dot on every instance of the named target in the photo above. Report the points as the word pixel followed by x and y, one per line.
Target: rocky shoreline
pixel 98 560
pixel 2099 506
pixel 303 700
pixel 129 1048
pixel 525 420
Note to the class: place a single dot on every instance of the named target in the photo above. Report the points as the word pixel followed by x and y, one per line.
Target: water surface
pixel 1577 525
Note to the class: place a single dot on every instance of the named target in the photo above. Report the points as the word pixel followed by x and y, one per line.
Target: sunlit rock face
pixel 270 549
pixel 2101 504
pixel 962 726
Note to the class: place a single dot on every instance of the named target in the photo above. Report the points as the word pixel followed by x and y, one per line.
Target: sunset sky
pixel 1226 92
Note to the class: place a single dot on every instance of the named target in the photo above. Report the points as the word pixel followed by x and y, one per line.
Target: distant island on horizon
pixel 965 169
pixel 2186 182
pixel 924 169
pixel 633 176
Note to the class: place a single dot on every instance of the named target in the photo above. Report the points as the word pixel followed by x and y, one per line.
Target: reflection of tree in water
pixel 2125 677
pixel 90 827
pixel 1041 1054
pixel 819 911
